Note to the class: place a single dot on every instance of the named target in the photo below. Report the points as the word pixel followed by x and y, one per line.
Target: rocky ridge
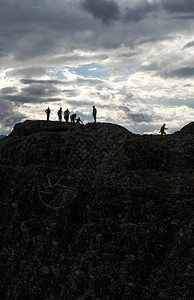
pixel 96 212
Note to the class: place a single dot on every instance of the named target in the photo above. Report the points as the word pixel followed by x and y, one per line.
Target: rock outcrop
pixel 96 212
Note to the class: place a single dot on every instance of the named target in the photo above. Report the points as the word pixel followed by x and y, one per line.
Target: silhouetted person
pixel 48 111
pixel 94 113
pixel 66 115
pixel 73 118
pixel 60 114
pixel 162 129
pixel 79 120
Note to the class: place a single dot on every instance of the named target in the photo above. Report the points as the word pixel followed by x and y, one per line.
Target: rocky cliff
pixel 95 212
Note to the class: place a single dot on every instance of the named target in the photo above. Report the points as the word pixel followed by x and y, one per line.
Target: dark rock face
pixel 96 212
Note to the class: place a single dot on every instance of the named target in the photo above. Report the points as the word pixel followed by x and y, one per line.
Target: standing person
pixel 66 115
pixel 73 118
pixel 162 129
pixel 60 114
pixel 94 113
pixel 48 111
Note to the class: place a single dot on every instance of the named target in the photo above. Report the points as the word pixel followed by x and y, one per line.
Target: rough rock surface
pixel 95 212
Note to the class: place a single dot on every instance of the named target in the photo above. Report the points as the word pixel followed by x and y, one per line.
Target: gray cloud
pixel 40 91
pixel 184 17
pixel 105 10
pixel 178 6
pixel 138 117
pixel 89 82
pixel 186 72
pixel 70 93
pixel 189 45
pixel 31 81
pixel 80 103
pixel 19 99
pixel 178 101
pixel 2 53
pixel 29 72
pixel 9 115
pixel 139 12
pixel 154 66
pixel 188 85
pixel 9 90
pixel 43 30
pixel 29 31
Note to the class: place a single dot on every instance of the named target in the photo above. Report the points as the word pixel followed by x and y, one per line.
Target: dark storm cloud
pixel 139 117
pixel 28 30
pixel 79 81
pixel 40 90
pixel 139 12
pixel 178 6
pixel 186 17
pixel 187 72
pixel 29 99
pixel 155 37
pixel 31 81
pixel 104 10
pixel 33 91
pixel 18 12
pixel 2 53
pixel 9 90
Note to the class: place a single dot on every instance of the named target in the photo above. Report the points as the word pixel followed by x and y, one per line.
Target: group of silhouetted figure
pixel 73 118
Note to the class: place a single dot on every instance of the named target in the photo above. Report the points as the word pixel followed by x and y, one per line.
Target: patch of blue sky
pixel 125 72
pixel 91 70
pixel 59 73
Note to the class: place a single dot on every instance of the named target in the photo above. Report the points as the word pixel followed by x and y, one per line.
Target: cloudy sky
pixel 132 59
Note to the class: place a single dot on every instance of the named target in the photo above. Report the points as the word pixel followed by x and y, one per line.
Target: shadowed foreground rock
pixel 95 212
